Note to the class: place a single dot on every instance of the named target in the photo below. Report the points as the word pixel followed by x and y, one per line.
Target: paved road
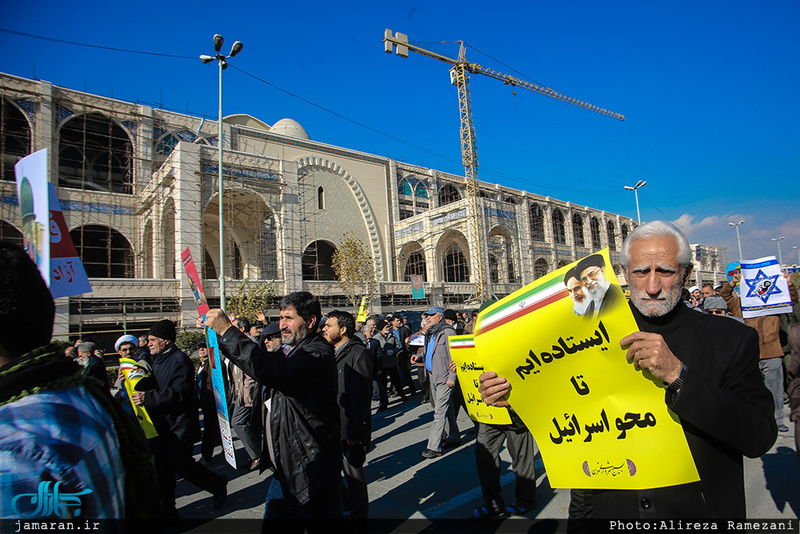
pixel 404 485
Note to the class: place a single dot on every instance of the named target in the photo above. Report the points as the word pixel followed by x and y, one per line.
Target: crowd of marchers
pixel 299 395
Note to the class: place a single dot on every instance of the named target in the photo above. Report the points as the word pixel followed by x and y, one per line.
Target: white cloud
pixel 756 233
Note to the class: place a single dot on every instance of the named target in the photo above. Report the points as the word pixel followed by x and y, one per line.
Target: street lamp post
pixel 798 255
pixel 223 64
pixel 635 189
pixel 780 258
pixel 738 239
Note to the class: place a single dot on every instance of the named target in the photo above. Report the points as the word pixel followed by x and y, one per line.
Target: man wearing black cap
pixel 591 271
pixel 173 406
pixel 270 337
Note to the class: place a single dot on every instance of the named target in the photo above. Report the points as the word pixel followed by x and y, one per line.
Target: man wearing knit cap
pixel 173 407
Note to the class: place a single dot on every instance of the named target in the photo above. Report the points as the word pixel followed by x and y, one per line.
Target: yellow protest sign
pixel 468 369
pixel 133 372
pixel 362 310
pixel 599 422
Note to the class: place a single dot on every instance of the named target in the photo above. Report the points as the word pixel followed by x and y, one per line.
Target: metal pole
pixel 638 215
pixel 739 240
pixel 780 258
pixel 221 228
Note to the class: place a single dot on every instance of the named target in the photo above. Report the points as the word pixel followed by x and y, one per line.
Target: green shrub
pixel 187 341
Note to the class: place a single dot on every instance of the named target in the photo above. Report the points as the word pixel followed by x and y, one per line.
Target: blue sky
pixel 708 89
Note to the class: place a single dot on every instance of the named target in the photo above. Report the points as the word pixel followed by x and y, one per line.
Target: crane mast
pixel 469 148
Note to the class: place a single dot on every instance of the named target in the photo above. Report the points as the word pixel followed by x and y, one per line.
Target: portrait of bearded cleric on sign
pixel 592 293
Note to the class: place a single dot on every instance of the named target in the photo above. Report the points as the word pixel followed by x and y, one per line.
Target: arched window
pixel 624 231
pixel 320 198
pixel 166 144
pixel 318 261
pixel 540 268
pixel 404 188
pixel 94 153
pixel 168 239
pixel 559 231
pixel 512 275
pixel 421 192
pixel 104 252
pixel 147 250
pixel 612 235
pixel 15 138
pixel 268 249
pixel 448 194
pixel 509 200
pixel 238 263
pixel 594 225
pixel 577 230
pixel 415 266
pixel 455 265
pixel 537 222
pixel 494 269
pixel 209 271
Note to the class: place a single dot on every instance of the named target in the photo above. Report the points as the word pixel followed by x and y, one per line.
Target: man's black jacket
pixel 304 415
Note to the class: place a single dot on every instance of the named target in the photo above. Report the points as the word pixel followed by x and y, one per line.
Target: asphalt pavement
pixel 409 493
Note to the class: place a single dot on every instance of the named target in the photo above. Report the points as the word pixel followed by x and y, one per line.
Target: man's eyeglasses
pixel 272 337
pixel 591 275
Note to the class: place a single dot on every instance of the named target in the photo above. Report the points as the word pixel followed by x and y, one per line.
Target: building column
pixel 290 234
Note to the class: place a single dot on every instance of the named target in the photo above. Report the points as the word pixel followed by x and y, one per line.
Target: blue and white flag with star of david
pixel 764 289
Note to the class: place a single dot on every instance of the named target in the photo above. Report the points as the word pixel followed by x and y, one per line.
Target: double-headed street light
pixel 223 64
pixel 738 239
pixel 780 258
pixel 635 190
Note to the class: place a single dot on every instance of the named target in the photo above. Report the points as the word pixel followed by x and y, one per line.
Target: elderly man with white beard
pixel 709 367
pixel 604 295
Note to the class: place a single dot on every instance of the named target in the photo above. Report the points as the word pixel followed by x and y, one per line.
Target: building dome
pixel 289 128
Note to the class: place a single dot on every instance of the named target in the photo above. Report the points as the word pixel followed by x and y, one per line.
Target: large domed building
pixel 138 185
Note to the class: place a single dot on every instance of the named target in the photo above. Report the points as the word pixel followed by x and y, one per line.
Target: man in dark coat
pixel 354 363
pixel 793 374
pixel 93 365
pixel 709 366
pixel 402 333
pixel 173 407
pixel 303 427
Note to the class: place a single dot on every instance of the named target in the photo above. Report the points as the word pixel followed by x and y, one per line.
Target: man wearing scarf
pixel 59 432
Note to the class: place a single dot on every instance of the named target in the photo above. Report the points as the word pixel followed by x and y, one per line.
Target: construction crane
pixel 459 76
